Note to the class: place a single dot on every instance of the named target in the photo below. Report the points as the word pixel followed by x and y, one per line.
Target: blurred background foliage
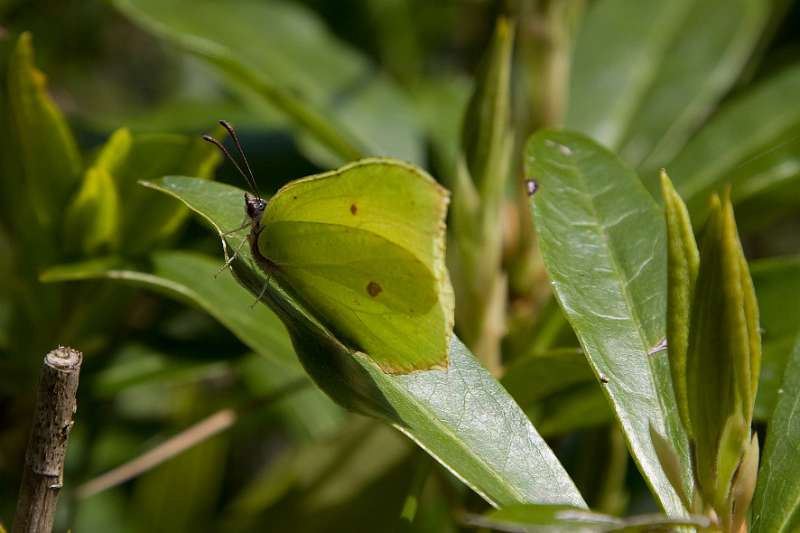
pixel 98 95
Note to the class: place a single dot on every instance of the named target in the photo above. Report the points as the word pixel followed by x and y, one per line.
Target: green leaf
pixel 364 466
pixel 713 44
pixel 281 53
pixel 461 415
pixel 723 359
pixel 777 499
pixel 646 73
pixel 152 156
pixel 536 376
pixel 683 261
pixel 92 220
pixel 479 191
pixel 770 114
pixel 558 391
pixel 308 412
pixel 584 407
pixel 441 103
pixel 484 134
pixel 744 485
pixel 777 284
pixel 602 239
pixel 197 280
pixel 50 159
pixel 671 464
pixel 520 518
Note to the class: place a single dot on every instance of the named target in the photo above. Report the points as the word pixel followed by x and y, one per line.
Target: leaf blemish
pixel 374 289
pixel 353 208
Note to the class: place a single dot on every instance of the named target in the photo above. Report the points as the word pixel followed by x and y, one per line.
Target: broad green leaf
pixel 777 499
pixel 460 415
pixel 282 53
pixel 770 114
pixel 197 280
pixel 49 155
pixel 520 518
pixel 683 261
pixel 646 73
pixel 602 238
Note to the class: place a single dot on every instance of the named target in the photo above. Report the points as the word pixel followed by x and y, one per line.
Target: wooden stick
pixel 42 477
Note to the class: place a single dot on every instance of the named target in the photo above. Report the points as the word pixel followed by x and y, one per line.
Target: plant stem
pixel 195 434
pixel 42 477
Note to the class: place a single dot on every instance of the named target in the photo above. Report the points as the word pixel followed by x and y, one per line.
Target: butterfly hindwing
pixel 364 248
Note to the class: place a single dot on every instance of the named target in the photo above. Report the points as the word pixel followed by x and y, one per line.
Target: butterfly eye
pixel 254 207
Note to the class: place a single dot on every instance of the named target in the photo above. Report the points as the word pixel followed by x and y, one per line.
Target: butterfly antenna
pixel 252 180
pixel 227 154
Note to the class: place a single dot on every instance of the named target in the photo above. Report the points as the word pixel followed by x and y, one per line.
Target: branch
pixel 43 473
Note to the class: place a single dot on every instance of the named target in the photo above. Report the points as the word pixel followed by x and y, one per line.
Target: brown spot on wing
pixel 374 289
pixel 353 208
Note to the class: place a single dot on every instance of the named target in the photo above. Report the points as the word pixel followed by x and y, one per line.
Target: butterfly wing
pixel 364 247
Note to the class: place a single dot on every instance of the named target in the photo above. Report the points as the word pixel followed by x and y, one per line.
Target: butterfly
pixel 363 249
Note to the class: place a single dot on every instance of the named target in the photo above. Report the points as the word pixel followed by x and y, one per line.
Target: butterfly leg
pixel 261 294
pixel 229 260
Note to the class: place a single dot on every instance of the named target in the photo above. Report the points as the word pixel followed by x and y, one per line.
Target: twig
pixel 191 436
pixel 42 477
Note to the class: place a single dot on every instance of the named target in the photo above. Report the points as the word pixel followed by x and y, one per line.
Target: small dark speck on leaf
pixel 531 186
pixel 603 378
pixel 374 289
pixel 294 197
pixel 353 208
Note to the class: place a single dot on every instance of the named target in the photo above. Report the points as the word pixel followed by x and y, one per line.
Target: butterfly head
pixel 254 206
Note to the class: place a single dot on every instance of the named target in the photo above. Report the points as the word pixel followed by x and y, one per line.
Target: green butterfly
pixel 363 248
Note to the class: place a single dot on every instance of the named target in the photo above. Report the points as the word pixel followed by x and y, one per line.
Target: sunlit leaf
pixel 603 242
